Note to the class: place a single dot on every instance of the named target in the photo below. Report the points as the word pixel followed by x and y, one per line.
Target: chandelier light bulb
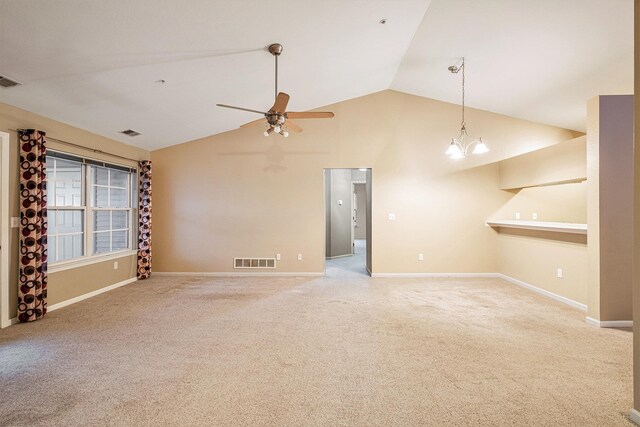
pixel 268 132
pixel 453 148
pixel 285 134
pixel 480 147
pixel 457 155
pixel 276 129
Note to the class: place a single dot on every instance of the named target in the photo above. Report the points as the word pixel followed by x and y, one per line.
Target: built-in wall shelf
pixel 558 227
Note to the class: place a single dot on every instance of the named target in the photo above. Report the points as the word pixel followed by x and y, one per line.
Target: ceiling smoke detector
pixel 6 82
pixel 130 132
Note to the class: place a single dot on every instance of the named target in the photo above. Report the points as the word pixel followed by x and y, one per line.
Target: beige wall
pixel 564 162
pixel 241 194
pixel 610 206
pixel 534 256
pixel 70 283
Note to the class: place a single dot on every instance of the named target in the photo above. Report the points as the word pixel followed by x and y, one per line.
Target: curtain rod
pixel 95 150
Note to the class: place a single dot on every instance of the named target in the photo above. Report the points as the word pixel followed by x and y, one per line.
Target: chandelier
pixel 461 144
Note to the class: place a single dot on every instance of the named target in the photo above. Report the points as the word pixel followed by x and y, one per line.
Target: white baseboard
pixel 90 294
pixel 435 275
pixel 239 274
pixel 338 256
pixel 634 416
pixel 541 291
pixel 609 323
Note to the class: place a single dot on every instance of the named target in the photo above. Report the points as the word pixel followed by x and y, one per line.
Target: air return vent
pixel 7 82
pixel 130 132
pixel 254 263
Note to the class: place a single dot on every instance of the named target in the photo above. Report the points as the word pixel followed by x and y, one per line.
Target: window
pixel 65 211
pixel 91 209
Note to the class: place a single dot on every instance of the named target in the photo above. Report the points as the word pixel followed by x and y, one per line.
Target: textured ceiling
pixel 96 64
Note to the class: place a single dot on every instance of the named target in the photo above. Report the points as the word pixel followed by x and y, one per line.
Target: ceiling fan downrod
pixel 276 49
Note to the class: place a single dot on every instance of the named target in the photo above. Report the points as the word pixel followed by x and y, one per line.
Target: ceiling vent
pixel 7 82
pixel 130 132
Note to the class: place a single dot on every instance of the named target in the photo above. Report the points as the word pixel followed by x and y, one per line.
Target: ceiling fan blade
pixel 253 123
pixel 240 108
pixel 292 126
pixel 280 106
pixel 309 115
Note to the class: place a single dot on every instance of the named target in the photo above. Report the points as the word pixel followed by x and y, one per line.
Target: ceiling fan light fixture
pixel 284 133
pixel 268 132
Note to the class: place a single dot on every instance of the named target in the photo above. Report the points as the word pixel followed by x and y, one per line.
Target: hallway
pixel 350 266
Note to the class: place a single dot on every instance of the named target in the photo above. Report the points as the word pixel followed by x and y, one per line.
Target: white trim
pixel 13 321
pixel 541 291
pixel 338 256
pixel 237 274
pixel 90 294
pixel 559 227
pixel 81 262
pixel 634 416
pixel 435 275
pixel 609 323
pixel 5 230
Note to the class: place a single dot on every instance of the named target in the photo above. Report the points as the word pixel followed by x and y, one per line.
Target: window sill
pixel 81 262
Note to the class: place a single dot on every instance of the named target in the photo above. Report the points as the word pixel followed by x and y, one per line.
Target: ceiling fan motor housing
pixel 275 119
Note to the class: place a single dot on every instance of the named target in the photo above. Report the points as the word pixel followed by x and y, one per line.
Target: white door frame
pixel 5 316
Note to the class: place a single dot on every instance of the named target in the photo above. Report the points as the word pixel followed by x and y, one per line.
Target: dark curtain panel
pixel 32 285
pixel 144 228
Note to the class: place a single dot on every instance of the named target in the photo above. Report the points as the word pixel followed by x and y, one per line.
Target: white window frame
pixel 87 186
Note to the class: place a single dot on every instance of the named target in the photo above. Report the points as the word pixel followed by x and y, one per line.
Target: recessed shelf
pixel 558 227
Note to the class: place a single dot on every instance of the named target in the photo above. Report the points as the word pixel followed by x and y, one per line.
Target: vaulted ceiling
pixel 98 65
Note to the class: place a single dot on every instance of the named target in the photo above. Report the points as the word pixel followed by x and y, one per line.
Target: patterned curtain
pixel 32 284
pixel 144 227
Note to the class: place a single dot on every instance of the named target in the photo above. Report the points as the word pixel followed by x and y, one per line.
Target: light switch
pixel 392 217
pixel 517 215
pixel 277 257
pixel 339 202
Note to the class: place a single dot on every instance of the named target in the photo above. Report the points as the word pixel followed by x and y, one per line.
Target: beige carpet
pixel 319 352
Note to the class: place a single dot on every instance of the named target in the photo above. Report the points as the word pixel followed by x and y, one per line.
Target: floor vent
pixel 7 82
pixel 254 263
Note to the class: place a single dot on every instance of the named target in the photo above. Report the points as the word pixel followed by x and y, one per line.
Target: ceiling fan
pixel 278 118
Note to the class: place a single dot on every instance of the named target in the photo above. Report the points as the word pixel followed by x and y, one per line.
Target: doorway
pixel 5 316
pixel 347 195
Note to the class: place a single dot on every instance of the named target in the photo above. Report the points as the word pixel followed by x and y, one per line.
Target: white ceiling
pixel 95 64
pixel 539 60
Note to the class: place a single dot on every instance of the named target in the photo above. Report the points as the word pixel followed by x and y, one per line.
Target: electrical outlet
pixel 115 265
pixel 299 257
pixel 534 215
pixel 15 222
pixel 392 217
pixel 420 257
pixel 277 257
pixel 559 273
pixel 517 215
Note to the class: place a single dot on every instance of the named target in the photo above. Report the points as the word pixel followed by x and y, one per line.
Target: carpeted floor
pixel 315 351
